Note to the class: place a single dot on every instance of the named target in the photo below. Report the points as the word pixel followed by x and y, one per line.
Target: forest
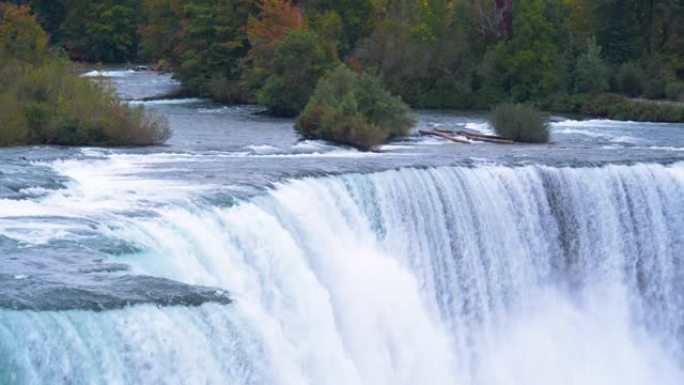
pixel 587 56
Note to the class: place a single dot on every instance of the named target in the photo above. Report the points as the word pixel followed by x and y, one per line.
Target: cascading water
pixel 451 275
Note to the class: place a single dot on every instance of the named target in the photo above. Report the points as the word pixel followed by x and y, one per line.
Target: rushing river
pixel 236 254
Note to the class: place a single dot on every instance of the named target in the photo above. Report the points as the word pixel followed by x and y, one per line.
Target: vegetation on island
pixel 560 55
pixel 354 109
pixel 42 102
pixel 520 123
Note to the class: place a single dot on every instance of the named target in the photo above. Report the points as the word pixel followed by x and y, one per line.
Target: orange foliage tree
pixel 275 19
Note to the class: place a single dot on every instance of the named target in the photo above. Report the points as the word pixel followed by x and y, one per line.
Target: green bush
pixel 675 91
pixel 520 123
pixel 13 126
pixel 224 90
pixel 630 80
pixel 655 89
pixel 353 109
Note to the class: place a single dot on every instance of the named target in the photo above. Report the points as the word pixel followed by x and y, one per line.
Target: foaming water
pixel 167 101
pixel 489 275
pixel 107 74
pixel 219 258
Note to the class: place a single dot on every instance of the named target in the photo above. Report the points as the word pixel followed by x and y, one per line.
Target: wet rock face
pixel 22 292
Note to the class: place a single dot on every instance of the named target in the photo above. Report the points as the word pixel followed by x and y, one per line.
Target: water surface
pixel 237 253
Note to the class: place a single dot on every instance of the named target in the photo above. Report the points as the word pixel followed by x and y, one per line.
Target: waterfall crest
pixel 487 275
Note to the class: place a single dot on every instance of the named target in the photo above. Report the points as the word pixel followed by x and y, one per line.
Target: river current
pixel 237 254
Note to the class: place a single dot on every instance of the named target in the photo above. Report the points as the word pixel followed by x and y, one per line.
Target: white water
pixel 107 74
pixel 485 276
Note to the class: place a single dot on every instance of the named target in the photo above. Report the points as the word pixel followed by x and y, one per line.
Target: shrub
pixel 630 80
pixel 520 123
pixel 656 88
pixel 224 90
pixel 675 91
pixel 13 125
pixel 353 109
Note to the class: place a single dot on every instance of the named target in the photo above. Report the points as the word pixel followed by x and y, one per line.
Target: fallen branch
pixel 478 133
pixel 474 135
pixel 457 139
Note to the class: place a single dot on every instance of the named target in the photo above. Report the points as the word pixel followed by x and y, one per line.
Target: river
pixel 237 254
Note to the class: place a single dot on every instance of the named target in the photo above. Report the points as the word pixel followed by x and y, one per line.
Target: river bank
pixel 579 106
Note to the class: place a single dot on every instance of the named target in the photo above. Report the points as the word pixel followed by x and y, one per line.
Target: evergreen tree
pixel 618 30
pixel 591 73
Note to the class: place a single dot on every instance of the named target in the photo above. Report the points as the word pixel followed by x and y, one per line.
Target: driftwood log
pixel 444 135
pixel 465 136
pixel 474 135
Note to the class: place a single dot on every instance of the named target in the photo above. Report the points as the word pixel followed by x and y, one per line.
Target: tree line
pixel 433 53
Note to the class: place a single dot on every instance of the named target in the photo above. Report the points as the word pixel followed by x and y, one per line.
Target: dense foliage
pixel 520 123
pixel 619 107
pixel 41 102
pixel 355 109
pixel 286 58
pixel 433 53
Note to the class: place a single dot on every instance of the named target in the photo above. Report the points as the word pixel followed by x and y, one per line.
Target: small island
pixel 43 102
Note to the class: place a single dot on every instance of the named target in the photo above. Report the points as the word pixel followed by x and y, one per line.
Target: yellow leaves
pixel 21 35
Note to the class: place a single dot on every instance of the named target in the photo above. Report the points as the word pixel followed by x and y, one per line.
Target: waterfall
pixel 482 276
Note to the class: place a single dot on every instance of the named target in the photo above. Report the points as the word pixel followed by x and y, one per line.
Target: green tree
pixel 21 38
pixel 286 58
pixel 264 31
pixel 356 19
pixel 580 17
pixel 422 52
pixel 202 41
pixel 532 57
pixel 213 44
pixel 162 31
pixel 618 30
pixel 101 31
pixel 630 79
pixel 300 59
pixel 49 13
pixel 591 73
